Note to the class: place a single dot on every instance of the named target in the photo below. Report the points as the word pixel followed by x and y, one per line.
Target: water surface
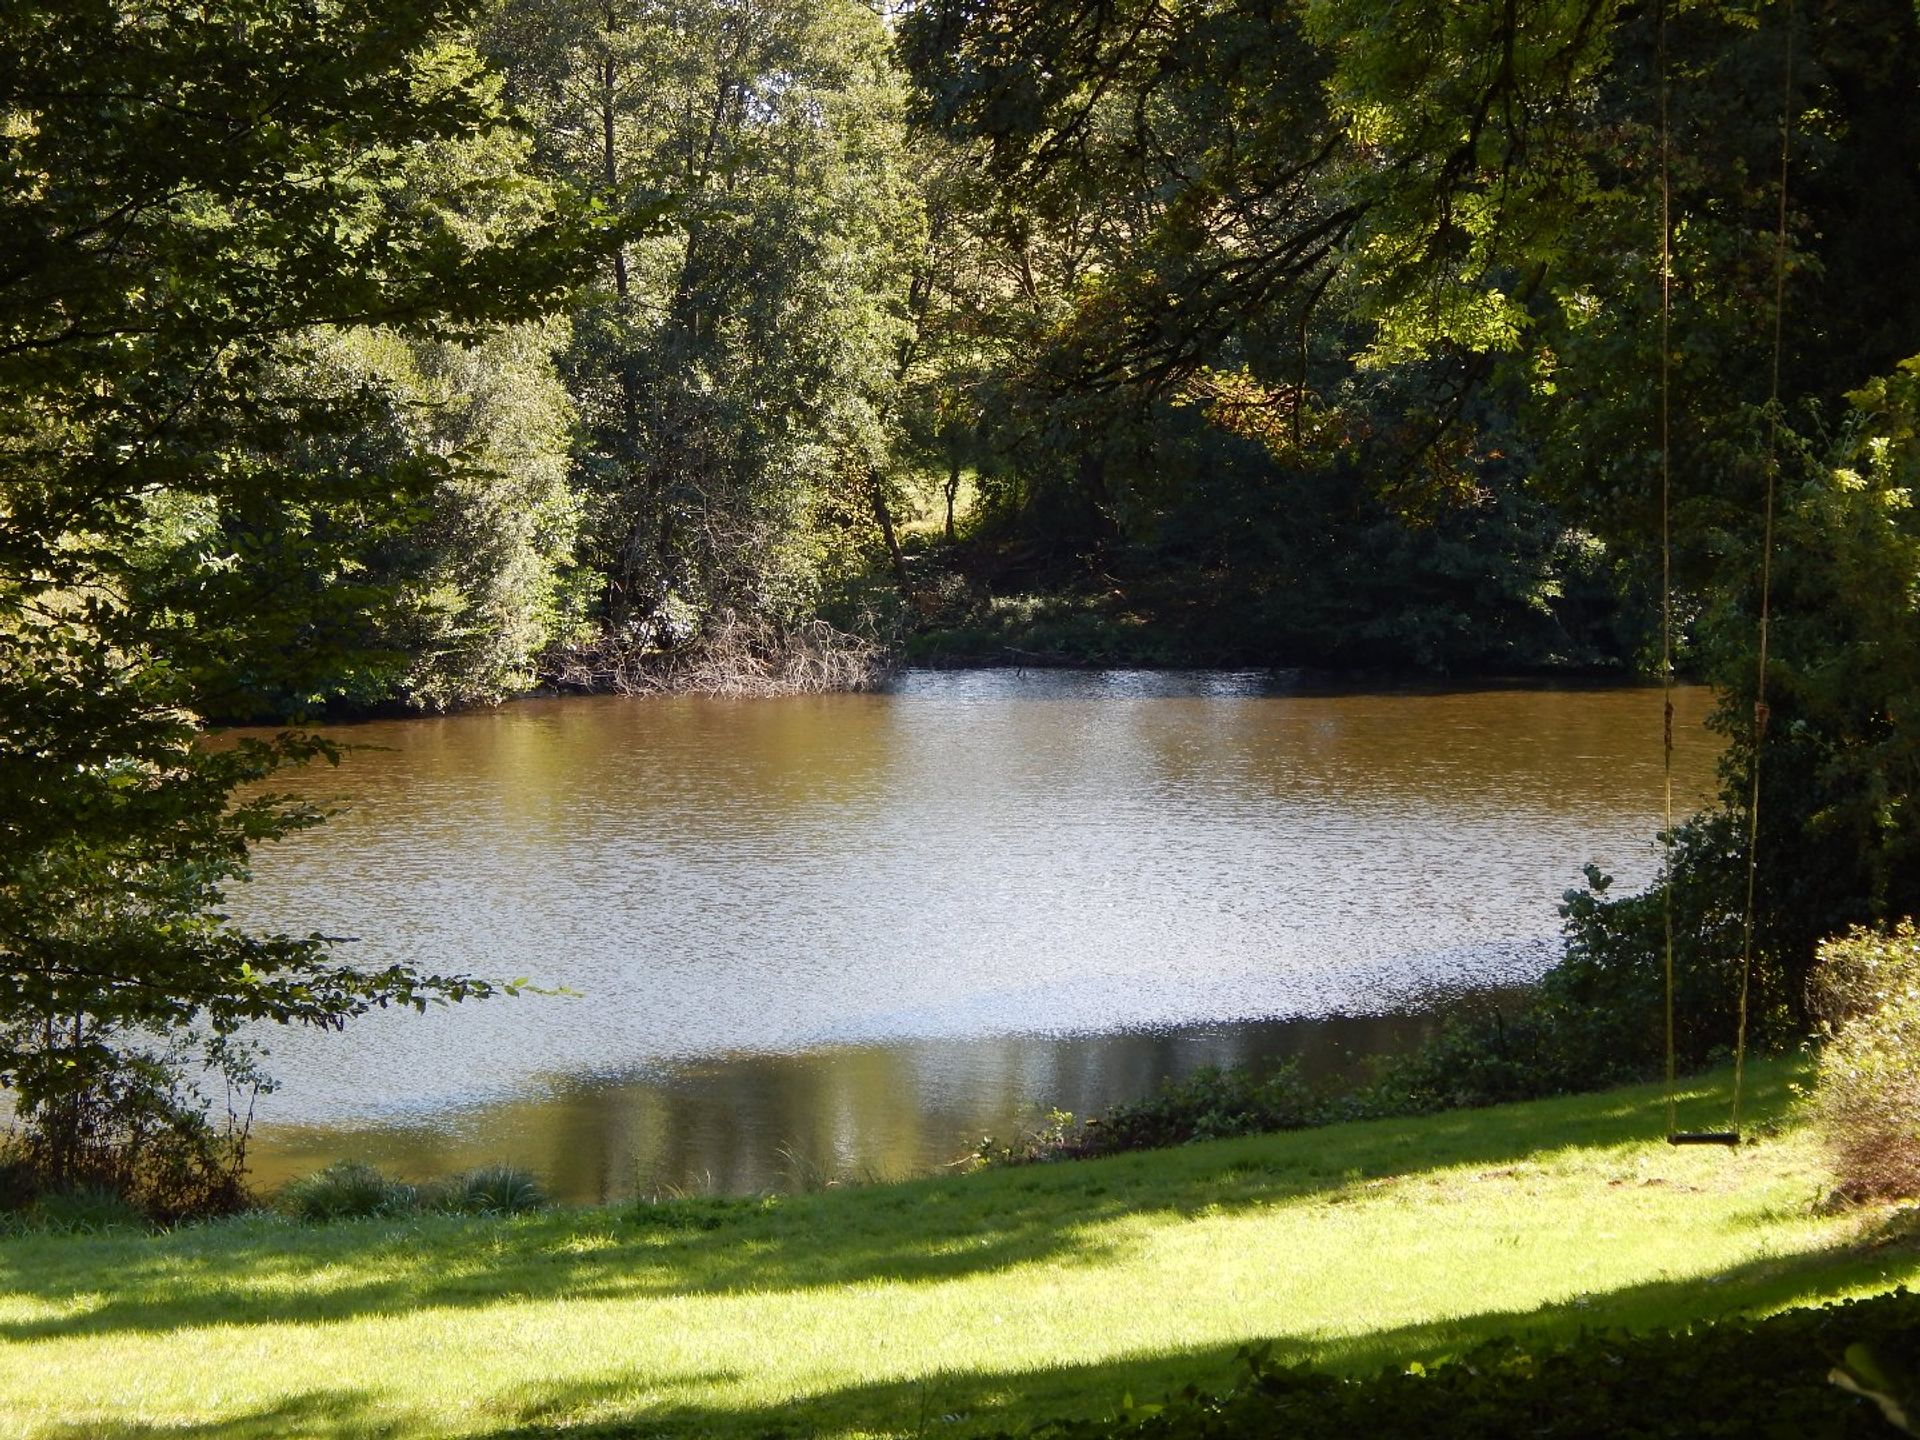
pixel 849 934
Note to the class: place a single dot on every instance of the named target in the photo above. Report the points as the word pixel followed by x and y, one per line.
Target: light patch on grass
pixel 927 510
pixel 992 1299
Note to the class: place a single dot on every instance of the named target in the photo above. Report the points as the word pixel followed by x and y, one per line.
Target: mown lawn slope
pixel 939 1307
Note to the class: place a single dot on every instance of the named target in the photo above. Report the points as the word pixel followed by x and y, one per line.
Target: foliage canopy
pixel 192 198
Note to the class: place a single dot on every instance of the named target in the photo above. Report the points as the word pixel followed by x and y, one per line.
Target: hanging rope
pixel 1771 469
pixel 1666 530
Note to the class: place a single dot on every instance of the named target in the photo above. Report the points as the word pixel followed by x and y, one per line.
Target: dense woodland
pixel 362 354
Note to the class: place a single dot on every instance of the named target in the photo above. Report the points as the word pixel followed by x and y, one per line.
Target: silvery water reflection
pixel 741 1124
pixel 871 885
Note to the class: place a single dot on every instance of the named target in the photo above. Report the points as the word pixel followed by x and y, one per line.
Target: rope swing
pixel 1731 1135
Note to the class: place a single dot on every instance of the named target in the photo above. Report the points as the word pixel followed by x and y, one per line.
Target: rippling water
pixel 848 933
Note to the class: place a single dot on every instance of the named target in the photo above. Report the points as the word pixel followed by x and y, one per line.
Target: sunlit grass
pixel 934 1307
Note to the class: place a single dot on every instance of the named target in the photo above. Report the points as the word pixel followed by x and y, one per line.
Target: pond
pixel 847 935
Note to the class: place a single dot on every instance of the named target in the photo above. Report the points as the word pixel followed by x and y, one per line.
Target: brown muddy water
pixel 845 936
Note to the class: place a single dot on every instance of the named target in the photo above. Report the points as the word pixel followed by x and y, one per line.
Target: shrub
pixel 124 1118
pixel 1866 1094
pixel 86 1210
pixel 347 1190
pixel 1209 1104
pixel 492 1190
pixel 1052 1136
pixel 1494 1057
pixel 79 1210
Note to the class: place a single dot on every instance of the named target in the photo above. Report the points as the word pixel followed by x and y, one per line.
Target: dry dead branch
pixel 733 657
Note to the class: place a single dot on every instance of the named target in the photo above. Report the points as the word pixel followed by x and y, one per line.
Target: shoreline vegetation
pixel 751 657
pixel 756 658
pixel 995 1301
pixel 761 662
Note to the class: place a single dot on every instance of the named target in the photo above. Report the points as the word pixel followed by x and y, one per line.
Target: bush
pixel 1866 1095
pixel 123 1119
pixel 81 1210
pixel 1209 1104
pixel 1052 1136
pixel 493 1190
pixel 347 1190
pixel 353 1190
pixel 1787 1375
pixel 87 1210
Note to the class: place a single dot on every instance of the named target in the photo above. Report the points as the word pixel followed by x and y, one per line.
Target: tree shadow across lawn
pixel 263 1273
pixel 310 1415
pixel 960 1404
pixel 968 1403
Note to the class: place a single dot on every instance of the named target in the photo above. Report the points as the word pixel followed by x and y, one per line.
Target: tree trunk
pixel 610 175
pixel 953 491
pixel 884 515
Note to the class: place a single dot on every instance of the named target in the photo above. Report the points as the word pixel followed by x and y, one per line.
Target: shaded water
pixel 850 934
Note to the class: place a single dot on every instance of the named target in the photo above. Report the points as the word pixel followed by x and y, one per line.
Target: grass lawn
pixel 939 1307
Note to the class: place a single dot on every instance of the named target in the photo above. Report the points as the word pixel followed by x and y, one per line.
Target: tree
pixel 733 367
pixel 484 582
pixel 193 199
pixel 1486 304
pixel 1205 405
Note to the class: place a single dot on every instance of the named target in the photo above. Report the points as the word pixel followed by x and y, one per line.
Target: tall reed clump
pixel 492 1190
pixel 347 1190
pixel 352 1190
pixel 1866 1092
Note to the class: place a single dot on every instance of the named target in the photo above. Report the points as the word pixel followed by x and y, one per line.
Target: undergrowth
pixel 1866 1095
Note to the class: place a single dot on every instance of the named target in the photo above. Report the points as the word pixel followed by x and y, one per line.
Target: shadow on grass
pixel 311 1415
pixel 978 1402
pixel 254 1273
pixel 959 1404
